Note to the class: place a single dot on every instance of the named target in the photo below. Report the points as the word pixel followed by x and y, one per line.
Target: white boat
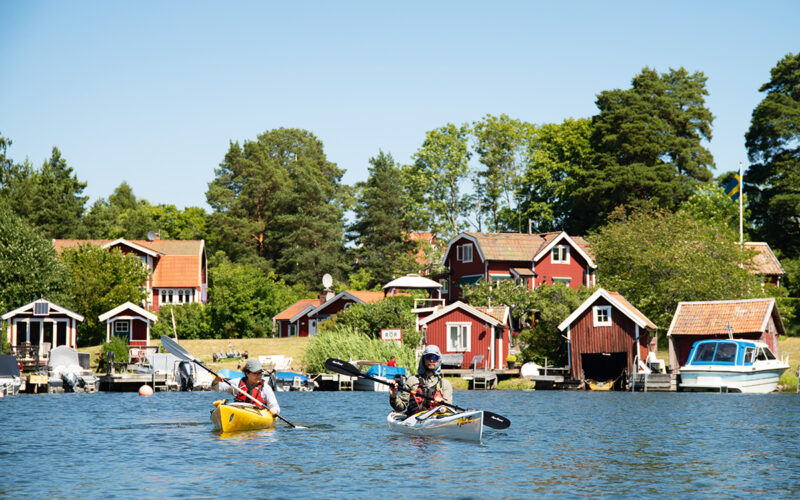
pixel 385 373
pixel 66 374
pixel 440 422
pixel 10 380
pixel 724 365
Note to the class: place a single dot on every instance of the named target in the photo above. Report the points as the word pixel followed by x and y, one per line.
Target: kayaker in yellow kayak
pixel 427 389
pixel 253 384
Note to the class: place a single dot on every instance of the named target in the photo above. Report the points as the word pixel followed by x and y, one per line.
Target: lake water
pixel 560 444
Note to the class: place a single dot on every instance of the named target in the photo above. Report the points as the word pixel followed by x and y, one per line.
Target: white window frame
pixel 445 285
pixel 566 281
pixel 464 329
pixel 598 312
pixel 466 252
pixel 126 323
pixel 560 254
pixel 176 296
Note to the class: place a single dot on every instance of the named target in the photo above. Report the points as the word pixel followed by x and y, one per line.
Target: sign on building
pixel 392 335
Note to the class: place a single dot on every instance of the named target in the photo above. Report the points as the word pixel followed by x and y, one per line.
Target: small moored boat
pixel 731 366
pixel 440 422
pixel 230 416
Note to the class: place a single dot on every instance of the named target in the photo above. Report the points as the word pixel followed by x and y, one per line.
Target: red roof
pixel 711 318
pixel 291 311
pixel 765 261
pixel 519 246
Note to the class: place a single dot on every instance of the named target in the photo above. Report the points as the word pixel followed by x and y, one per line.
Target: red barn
pixel 463 329
pixel 529 259
pixel 606 336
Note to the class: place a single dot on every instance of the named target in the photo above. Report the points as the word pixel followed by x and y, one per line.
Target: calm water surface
pixel 560 444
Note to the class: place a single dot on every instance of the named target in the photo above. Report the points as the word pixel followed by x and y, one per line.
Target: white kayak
pixel 440 422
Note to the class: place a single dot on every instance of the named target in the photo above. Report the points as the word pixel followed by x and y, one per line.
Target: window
pixel 293 329
pixel 749 355
pixel 41 308
pixel 444 283
pixel 764 354
pixel 464 252
pixel 122 326
pixel 458 337
pixel 566 281
pixel 560 254
pixel 177 296
pixel 602 315
pixel 726 353
pixel 705 352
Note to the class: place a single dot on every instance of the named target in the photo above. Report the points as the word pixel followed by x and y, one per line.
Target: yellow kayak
pixel 234 416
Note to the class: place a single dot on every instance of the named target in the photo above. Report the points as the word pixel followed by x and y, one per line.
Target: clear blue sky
pixel 152 92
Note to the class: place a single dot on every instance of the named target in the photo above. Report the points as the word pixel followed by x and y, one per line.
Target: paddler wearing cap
pixel 253 384
pixel 427 389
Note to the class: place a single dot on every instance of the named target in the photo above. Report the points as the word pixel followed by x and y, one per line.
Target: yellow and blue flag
pixel 732 187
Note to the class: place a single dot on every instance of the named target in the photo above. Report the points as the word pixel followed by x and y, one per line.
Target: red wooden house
pixel 530 259
pixel 752 319
pixel 178 268
pixel 461 329
pixel 606 336
pixel 302 317
pixel 131 323
pixel 39 326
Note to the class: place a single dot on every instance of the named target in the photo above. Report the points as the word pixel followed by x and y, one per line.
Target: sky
pixel 152 92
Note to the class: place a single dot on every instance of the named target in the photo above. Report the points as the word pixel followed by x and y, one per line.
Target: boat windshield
pixel 716 352
pixel 726 353
pixel 705 352
pixel 764 354
pixel 749 355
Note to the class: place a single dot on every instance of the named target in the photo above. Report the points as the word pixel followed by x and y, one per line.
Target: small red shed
pixel 606 336
pixel 129 322
pixel 463 329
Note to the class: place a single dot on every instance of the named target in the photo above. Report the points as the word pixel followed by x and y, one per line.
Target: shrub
pixel 347 344
pixel 119 347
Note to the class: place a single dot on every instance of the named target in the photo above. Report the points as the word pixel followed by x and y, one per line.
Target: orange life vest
pixel 423 398
pixel 255 392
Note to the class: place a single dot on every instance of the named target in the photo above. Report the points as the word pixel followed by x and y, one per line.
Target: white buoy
pixel 145 390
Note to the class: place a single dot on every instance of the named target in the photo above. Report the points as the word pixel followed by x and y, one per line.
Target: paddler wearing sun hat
pixel 427 389
pixel 253 384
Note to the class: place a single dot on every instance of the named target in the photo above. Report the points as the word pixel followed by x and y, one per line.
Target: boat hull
pixel 752 382
pixel 233 417
pixel 466 426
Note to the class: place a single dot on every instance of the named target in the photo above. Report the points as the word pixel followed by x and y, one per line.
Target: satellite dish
pixel 327 280
pixel 151 235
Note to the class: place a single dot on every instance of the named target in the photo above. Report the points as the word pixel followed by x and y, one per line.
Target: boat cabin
pixel 729 353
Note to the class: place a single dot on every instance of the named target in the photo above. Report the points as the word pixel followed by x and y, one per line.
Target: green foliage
pixel 192 321
pixel 500 143
pixel 789 307
pixel 361 279
pixel 119 347
pixel 392 312
pixel 553 304
pixel 5 344
pixel 657 259
pixel 29 266
pixel 557 156
pixel 103 280
pixel 348 344
pixel 280 200
pixel 648 147
pixel 505 292
pixel 243 300
pixel 709 203
pixel 440 168
pixel 382 249
pixel 773 145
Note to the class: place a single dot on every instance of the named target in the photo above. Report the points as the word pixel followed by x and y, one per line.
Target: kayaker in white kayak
pixel 253 384
pixel 426 390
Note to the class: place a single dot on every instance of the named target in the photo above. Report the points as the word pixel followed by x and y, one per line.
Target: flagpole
pixel 741 195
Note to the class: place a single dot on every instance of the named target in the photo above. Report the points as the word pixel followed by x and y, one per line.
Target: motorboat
pixel 10 379
pixel 728 365
pixel 381 372
pixel 292 381
pixel 229 416
pixel 66 373
pixel 440 422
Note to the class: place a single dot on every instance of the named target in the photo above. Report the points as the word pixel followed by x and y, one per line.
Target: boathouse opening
pixel 604 366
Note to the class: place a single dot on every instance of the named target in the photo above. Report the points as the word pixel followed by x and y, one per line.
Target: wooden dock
pixel 131 382
pixel 654 382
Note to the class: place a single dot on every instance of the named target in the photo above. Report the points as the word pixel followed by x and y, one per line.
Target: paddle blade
pixel 175 348
pixel 343 367
pixel 495 421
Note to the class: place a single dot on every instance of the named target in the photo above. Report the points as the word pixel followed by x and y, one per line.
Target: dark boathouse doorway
pixel 604 366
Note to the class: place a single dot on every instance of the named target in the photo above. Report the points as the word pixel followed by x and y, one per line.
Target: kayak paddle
pixel 176 349
pixel 492 420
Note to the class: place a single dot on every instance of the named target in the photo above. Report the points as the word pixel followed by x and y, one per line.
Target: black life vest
pixel 255 392
pixel 423 398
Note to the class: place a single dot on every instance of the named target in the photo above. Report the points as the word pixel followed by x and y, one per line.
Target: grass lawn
pixel 790 346
pixel 204 349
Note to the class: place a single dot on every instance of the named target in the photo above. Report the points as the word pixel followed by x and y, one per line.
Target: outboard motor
pixel 185 374
pixel 273 380
pixel 70 381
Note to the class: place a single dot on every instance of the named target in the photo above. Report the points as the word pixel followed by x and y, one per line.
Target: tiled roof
pixel 711 318
pixel 631 309
pixel 166 247
pixel 498 313
pixel 291 311
pixel 520 246
pixel 367 297
pixel 765 261
pixel 177 270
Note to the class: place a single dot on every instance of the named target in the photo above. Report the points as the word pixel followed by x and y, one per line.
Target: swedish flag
pixel 732 187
